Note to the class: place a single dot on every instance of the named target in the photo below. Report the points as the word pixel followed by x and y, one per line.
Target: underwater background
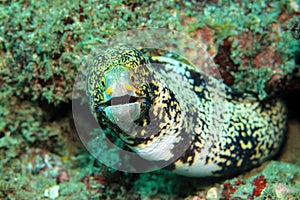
pixel 42 44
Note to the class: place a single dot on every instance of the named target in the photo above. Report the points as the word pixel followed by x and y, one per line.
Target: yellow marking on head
pixel 108 90
pixel 243 134
pixel 144 122
pixel 129 87
pixel 228 163
pixel 103 81
pixel 248 145
pixel 228 140
pixel 227 152
pixel 197 144
pixel 197 130
pixel 239 163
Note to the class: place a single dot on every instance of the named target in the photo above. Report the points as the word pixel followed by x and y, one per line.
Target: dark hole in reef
pixel 226 64
pixel 56 112
pixel 292 102
pixel 297 58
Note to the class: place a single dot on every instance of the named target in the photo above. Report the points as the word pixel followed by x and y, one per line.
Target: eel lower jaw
pixel 123 111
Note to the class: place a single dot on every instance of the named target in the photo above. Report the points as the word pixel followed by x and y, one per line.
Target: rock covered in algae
pixel 42 44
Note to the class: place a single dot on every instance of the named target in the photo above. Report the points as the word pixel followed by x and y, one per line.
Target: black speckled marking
pixel 185 102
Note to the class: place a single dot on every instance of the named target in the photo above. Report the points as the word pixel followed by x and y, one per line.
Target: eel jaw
pixel 123 111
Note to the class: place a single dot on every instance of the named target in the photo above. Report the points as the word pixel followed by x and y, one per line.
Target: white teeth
pixel 124 115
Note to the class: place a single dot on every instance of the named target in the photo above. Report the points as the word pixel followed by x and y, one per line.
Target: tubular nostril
pixel 117 83
pixel 108 90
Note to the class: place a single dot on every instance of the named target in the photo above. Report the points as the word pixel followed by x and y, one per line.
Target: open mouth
pixel 117 107
pixel 122 110
pixel 121 100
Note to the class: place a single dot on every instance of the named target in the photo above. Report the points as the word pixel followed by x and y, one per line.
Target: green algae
pixel 42 44
pixel 284 173
pixel 282 182
pixel 259 18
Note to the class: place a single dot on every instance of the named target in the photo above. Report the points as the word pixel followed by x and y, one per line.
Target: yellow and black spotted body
pixel 166 110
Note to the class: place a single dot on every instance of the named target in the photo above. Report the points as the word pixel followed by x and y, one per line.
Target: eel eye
pixel 103 81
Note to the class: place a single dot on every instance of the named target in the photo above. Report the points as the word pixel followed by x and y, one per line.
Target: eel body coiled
pixel 167 110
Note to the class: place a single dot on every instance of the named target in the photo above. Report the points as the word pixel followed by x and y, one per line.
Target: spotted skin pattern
pixel 186 117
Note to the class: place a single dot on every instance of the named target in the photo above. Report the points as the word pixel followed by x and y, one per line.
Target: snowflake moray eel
pixel 164 109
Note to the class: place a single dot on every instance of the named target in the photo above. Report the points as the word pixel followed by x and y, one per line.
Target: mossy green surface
pixel 42 45
pixel 282 182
